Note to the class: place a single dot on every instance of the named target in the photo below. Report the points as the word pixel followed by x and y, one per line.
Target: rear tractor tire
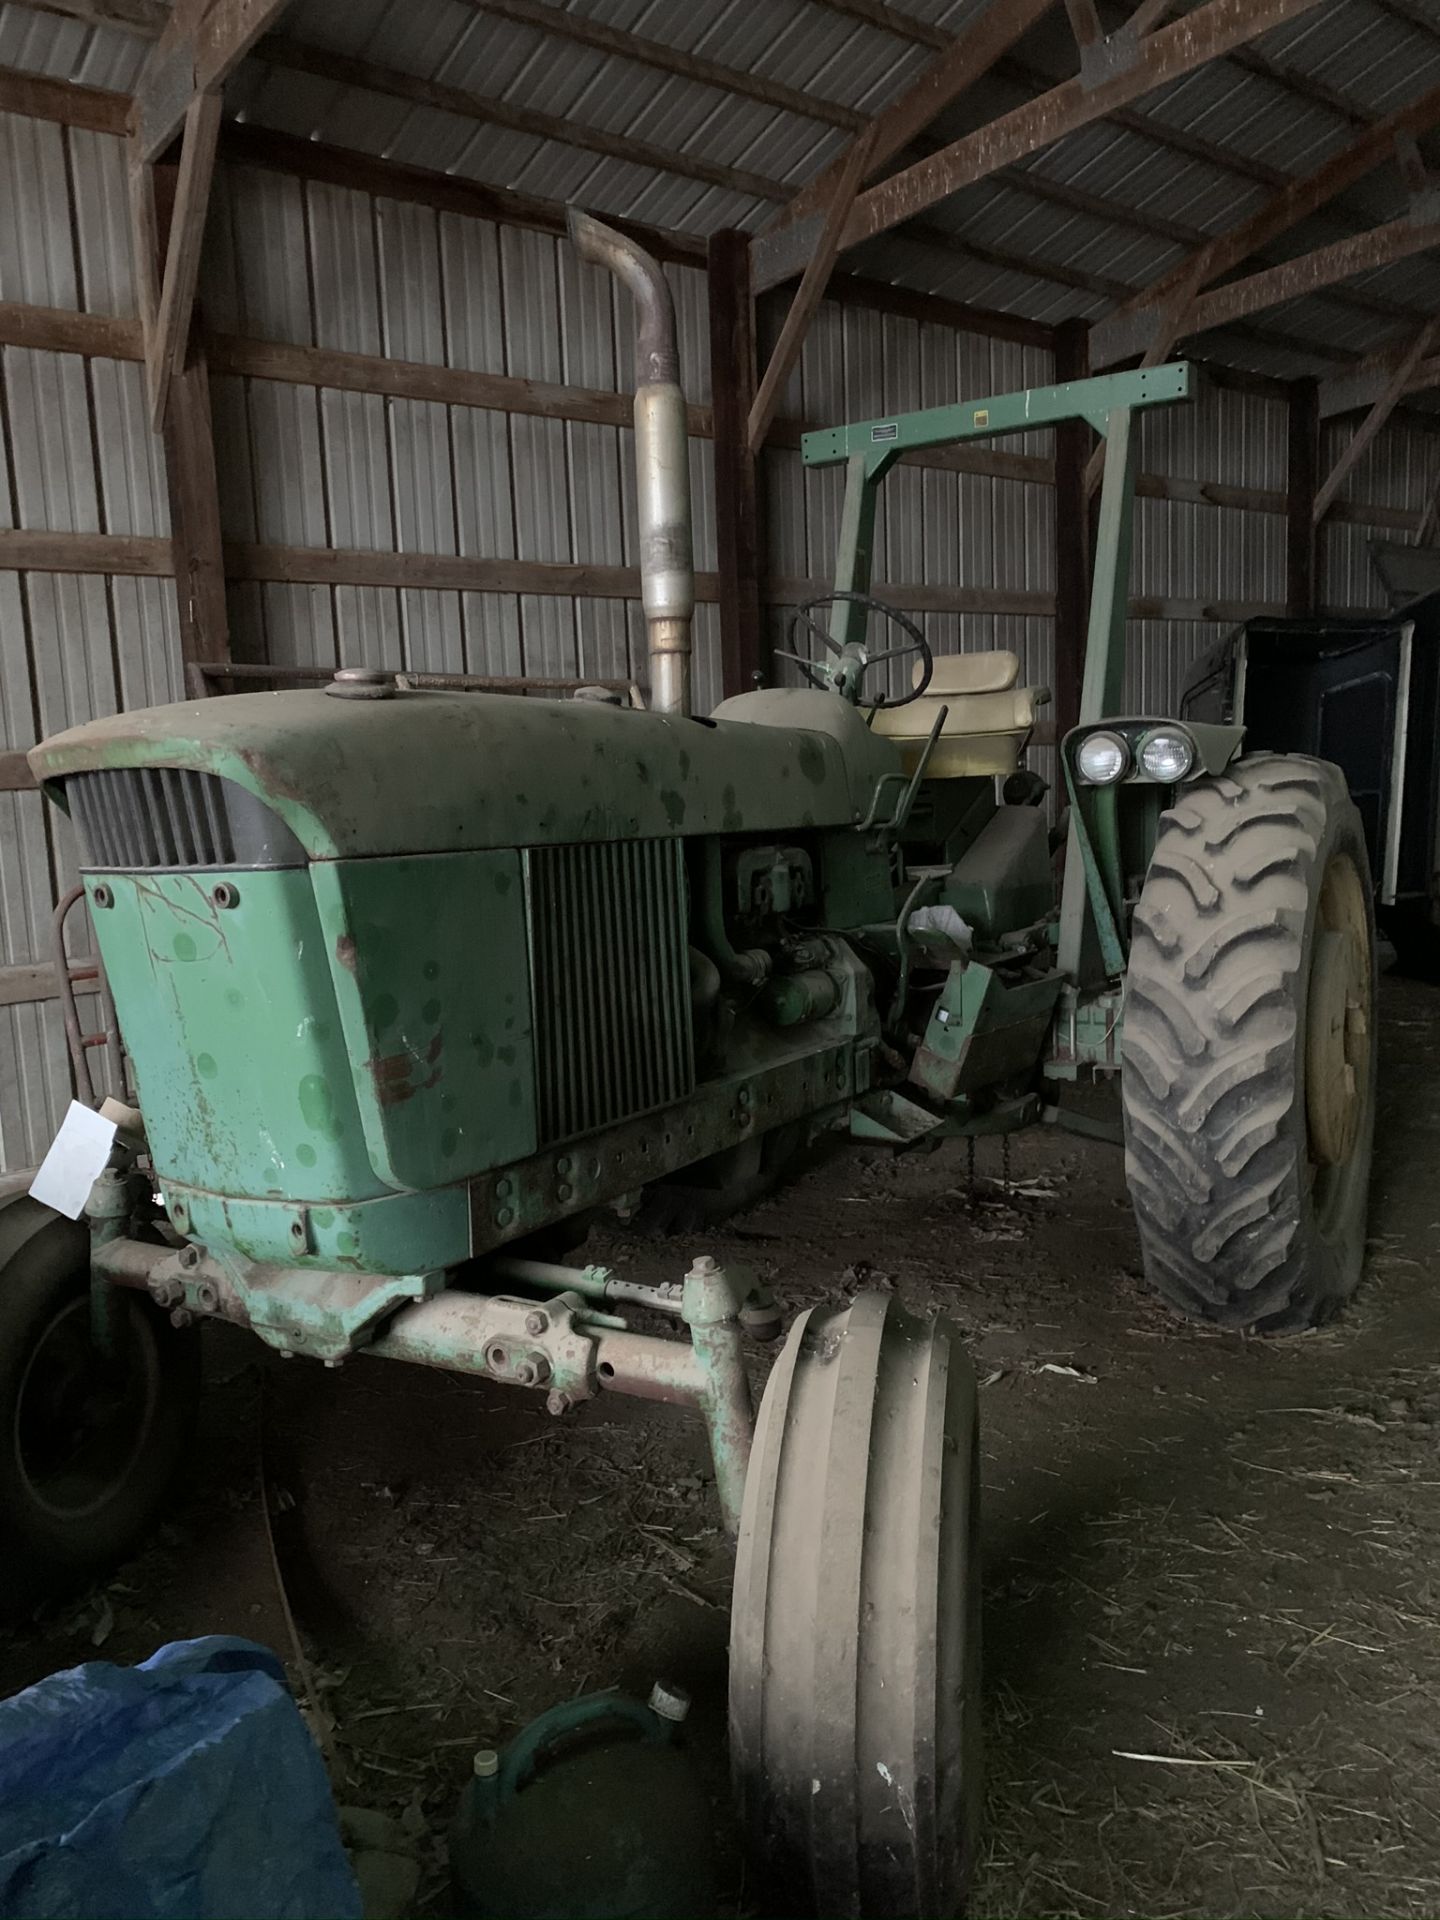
pixel 855 1631
pixel 1248 1058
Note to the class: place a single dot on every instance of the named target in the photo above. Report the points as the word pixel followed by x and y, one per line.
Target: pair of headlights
pixel 1165 754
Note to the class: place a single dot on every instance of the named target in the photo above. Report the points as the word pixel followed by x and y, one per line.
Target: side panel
pixel 229 1016
pixel 430 967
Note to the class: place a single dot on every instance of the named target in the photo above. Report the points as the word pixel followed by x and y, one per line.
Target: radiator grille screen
pixel 130 818
pixel 611 982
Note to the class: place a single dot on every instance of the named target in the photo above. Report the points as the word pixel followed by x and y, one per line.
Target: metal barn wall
pixel 1400 469
pixel 1196 551
pixel 316 265
pixel 987 537
pixel 76 456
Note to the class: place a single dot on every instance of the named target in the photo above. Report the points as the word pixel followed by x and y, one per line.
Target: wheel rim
pixel 1337 1030
pixel 81 1418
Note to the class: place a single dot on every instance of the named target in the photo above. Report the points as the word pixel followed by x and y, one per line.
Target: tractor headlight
pixel 1167 754
pixel 1102 758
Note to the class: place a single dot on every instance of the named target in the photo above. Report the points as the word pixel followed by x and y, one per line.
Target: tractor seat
pixel 988 721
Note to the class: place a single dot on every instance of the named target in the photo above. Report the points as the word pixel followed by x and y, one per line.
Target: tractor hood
pixel 432 772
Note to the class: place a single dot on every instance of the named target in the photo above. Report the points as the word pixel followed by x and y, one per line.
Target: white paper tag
pixel 75 1161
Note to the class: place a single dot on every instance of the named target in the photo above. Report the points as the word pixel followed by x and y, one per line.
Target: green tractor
pixel 416 984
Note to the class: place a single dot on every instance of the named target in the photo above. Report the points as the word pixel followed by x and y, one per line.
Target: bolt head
pixel 182 1318
pixel 705 1263
pixel 189 1256
pixel 536 1324
pixel 558 1403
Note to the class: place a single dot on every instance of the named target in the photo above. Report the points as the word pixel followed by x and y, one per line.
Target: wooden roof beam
pixel 1160 56
pixel 199 47
pixel 790 239
pixel 1381 247
pixel 147 16
pixel 1375 419
pixel 1364 383
pixel 1156 317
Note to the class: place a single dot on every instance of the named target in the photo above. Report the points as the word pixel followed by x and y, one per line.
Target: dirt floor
pixel 1212 1565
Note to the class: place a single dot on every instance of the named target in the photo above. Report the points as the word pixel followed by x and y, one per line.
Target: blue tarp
pixel 186 1787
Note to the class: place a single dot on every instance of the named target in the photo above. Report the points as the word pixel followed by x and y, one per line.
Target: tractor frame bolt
pixel 536 1324
pixel 182 1318
pixel 189 1256
pixel 166 1293
pixel 558 1403
pixel 705 1263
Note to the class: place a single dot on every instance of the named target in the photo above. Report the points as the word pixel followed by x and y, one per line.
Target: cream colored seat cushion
pixel 973 672
pixel 987 721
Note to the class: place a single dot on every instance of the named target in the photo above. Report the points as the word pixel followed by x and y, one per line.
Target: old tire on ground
pixel 1249 1047
pixel 855 1635
pixel 88 1452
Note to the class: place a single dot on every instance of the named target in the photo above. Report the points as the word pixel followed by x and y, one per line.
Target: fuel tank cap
pixel 362 683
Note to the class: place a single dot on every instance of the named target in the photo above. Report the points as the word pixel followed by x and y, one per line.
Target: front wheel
pixel 855 1632
pixel 1249 1049
pixel 90 1441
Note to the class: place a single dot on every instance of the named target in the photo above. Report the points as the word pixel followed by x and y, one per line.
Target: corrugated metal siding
pixel 1400 469
pixel 78 458
pixel 932 528
pixel 1199 552
pixel 316 265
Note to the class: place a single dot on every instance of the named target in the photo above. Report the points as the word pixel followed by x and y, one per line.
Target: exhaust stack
pixel 662 461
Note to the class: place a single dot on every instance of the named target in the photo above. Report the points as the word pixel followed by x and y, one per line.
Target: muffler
pixel 662 461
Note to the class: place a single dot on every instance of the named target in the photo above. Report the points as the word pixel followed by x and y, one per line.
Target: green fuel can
pixel 593 1812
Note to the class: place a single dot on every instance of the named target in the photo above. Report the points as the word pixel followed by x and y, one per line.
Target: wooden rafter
pixel 1363 384
pixel 811 290
pixel 1375 419
pixel 147 16
pixel 199 47
pixel 1032 78
pixel 963 61
pixel 374 77
pixel 1381 247
pixel 168 336
pixel 1162 56
pixel 586 31
pixel 1155 317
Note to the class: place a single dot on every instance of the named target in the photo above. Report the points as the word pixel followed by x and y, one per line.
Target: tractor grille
pixel 132 818
pixel 610 978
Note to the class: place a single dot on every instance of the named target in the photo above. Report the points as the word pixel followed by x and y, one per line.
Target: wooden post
pixel 1072 532
pixel 195 521
pixel 737 513
pixel 187 435
pixel 1303 468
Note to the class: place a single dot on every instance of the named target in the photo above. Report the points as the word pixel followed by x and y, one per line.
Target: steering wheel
pixel 824 677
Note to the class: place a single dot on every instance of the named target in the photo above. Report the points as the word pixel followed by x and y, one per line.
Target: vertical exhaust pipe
pixel 662 461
